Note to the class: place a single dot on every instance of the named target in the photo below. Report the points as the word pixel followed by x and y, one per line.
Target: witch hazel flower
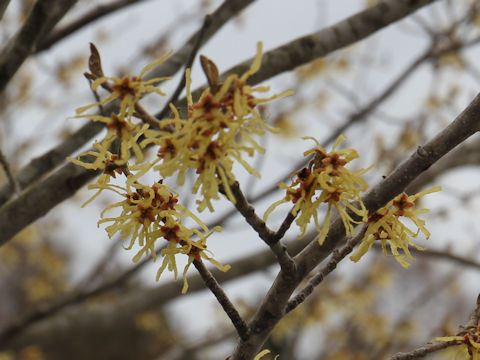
pixel 103 160
pixel 326 180
pixel 151 213
pixel 386 226
pixel 194 249
pixel 147 216
pixel 128 133
pixel 220 129
pixel 119 126
pixel 128 89
pixel 144 211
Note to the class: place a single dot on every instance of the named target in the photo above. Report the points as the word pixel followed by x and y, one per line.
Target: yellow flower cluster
pixel 103 160
pixel 385 225
pixel 325 180
pixel 149 213
pixel 120 127
pixel 469 344
pixel 218 131
pixel 128 89
pixel 125 131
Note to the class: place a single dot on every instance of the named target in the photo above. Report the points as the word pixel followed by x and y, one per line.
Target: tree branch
pixel 12 183
pixel 338 255
pixel 270 237
pixel 228 307
pixel 346 32
pixel 424 350
pixel 91 16
pixel 44 16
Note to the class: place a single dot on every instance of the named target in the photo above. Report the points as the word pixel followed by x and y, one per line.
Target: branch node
pixel 422 152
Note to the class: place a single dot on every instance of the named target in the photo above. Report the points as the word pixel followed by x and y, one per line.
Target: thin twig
pixel 338 255
pixel 268 236
pixel 146 116
pixel 91 16
pixel 13 184
pixel 44 15
pixel 284 226
pixel 189 63
pixel 101 108
pixel 424 350
pixel 242 328
pixel 248 212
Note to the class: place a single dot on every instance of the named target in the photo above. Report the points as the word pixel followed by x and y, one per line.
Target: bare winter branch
pixel 338 255
pixel 224 301
pixel 93 15
pixel 188 65
pixel 44 16
pixel 271 238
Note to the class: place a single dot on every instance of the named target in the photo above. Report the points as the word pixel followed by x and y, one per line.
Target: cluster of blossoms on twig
pixel 152 212
pixel 326 180
pixel 386 225
pixel 218 130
